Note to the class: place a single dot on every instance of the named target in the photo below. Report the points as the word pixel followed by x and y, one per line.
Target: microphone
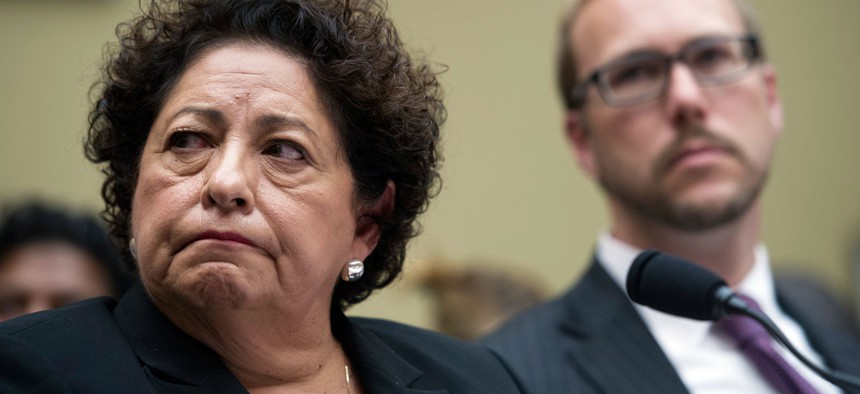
pixel 675 286
pixel 678 287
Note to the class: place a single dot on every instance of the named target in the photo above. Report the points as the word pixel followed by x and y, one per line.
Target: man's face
pixel 46 275
pixel 693 158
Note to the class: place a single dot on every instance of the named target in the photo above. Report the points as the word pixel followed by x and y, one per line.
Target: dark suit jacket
pixel 101 346
pixel 591 340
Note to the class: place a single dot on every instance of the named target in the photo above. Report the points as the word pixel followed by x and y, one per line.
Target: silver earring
pixel 352 271
pixel 132 248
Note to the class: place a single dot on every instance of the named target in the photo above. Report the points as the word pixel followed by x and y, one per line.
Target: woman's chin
pixel 219 286
pixel 219 292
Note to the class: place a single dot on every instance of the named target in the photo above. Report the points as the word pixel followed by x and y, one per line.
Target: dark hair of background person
pixel 566 53
pixel 386 108
pixel 35 222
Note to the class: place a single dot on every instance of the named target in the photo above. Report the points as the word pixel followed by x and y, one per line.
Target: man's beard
pixel 655 203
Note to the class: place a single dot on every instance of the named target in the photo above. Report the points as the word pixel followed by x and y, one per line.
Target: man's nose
pixel 685 98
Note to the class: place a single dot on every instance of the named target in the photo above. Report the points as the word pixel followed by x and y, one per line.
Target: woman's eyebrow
pixel 212 115
pixel 272 121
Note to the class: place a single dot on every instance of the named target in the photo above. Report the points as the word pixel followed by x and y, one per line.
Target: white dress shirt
pixel 705 359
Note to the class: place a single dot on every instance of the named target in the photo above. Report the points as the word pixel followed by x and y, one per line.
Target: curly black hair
pixel 34 221
pixel 386 106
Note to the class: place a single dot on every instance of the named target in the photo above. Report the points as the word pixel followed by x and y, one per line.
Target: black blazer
pixel 591 340
pixel 101 346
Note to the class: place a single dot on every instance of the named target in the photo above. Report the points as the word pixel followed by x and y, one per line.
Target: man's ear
pixel 367 230
pixel 580 139
pixel 774 104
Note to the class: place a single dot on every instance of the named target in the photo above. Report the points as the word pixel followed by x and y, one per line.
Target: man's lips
pixel 224 236
pixel 696 153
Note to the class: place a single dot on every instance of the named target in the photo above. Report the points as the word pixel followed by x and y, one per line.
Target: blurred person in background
pixel 672 109
pixel 51 256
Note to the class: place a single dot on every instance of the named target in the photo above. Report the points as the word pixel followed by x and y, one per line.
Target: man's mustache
pixel 673 152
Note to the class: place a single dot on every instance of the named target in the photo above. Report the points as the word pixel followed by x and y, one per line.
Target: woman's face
pixel 245 199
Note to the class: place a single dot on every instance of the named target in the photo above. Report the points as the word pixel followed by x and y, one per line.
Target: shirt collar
pixel 677 333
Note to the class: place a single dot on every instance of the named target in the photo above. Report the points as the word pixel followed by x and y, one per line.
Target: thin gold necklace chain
pixel 346 371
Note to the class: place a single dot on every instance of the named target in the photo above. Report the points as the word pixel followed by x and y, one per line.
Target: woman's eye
pixel 187 140
pixel 285 150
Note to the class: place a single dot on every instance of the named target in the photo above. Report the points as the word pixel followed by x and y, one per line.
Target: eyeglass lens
pixel 712 63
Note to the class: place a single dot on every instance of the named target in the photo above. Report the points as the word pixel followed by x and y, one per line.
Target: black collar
pixel 174 361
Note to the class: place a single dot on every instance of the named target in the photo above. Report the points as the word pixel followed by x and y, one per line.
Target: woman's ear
pixel 367 230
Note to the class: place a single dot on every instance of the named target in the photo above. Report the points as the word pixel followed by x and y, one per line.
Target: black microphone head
pixel 675 286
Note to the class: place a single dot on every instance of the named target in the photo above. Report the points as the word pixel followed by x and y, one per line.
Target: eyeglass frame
pixel 580 90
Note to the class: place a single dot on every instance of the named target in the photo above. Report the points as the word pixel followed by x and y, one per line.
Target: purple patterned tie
pixel 755 343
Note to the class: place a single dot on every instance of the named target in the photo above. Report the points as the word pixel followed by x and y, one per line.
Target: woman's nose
pixel 228 187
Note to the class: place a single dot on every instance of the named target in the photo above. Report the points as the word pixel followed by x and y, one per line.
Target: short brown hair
pixel 567 70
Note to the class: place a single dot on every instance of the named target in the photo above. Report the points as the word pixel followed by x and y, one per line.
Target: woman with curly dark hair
pixel 265 161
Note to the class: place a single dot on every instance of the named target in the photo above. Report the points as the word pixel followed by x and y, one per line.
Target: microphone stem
pixel 840 379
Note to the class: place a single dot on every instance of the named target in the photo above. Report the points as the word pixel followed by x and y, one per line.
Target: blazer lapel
pixel 612 348
pixel 822 322
pixel 173 361
pixel 380 368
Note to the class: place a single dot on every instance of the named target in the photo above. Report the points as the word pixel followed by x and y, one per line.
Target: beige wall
pixel 512 193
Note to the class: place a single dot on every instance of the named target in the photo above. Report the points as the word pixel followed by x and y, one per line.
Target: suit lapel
pixel 612 348
pixel 380 368
pixel 834 340
pixel 173 361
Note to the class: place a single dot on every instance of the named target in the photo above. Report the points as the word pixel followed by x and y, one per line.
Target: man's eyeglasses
pixel 642 76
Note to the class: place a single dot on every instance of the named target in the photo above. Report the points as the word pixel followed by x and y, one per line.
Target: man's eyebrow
pixel 634 55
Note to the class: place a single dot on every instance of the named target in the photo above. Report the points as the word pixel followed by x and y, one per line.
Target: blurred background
pixel 512 198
